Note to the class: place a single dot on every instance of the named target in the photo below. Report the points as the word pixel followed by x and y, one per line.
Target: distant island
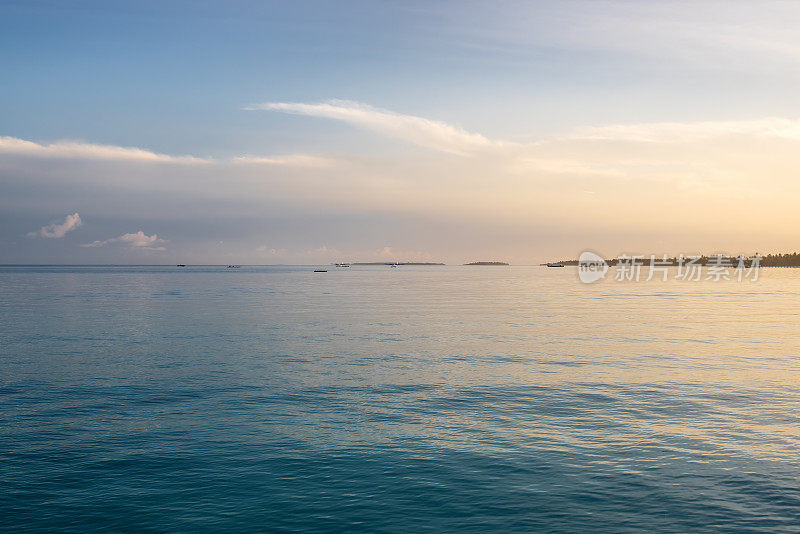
pixel 396 263
pixel 487 263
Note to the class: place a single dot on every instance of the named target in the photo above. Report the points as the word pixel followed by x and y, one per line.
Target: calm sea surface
pixel 417 399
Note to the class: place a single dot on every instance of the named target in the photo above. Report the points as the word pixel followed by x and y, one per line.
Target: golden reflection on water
pixel 533 325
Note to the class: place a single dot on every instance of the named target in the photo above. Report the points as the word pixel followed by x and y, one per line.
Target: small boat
pixel 393 266
pixel 343 265
pixel 555 264
pixel 181 265
pixel 320 270
pixel 233 267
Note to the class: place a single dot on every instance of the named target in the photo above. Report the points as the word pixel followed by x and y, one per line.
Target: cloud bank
pixel 675 184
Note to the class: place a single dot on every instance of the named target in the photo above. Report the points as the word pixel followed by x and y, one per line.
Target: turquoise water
pixel 392 400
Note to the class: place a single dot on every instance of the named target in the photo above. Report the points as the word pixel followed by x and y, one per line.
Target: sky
pixel 314 132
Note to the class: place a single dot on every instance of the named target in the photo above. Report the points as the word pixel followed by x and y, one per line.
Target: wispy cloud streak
pixel 95 152
pixel 139 240
pixel 78 150
pixel 410 128
pixel 669 132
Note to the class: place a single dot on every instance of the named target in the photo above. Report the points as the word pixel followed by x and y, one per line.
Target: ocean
pixel 416 399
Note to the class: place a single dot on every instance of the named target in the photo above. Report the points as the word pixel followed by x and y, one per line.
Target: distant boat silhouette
pixel 320 270
pixel 181 265
pixel 233 267
pixel 555 264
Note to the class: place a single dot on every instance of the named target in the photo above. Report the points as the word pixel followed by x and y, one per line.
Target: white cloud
pixel 95 152
pixel 78 150
pixel 417 130
pixel 57 231
pixel 447 138
pixel 139 240
pixel 294 160
pixel 670 132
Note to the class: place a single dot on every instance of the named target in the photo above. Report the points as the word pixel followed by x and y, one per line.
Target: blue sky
pixel 368 177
